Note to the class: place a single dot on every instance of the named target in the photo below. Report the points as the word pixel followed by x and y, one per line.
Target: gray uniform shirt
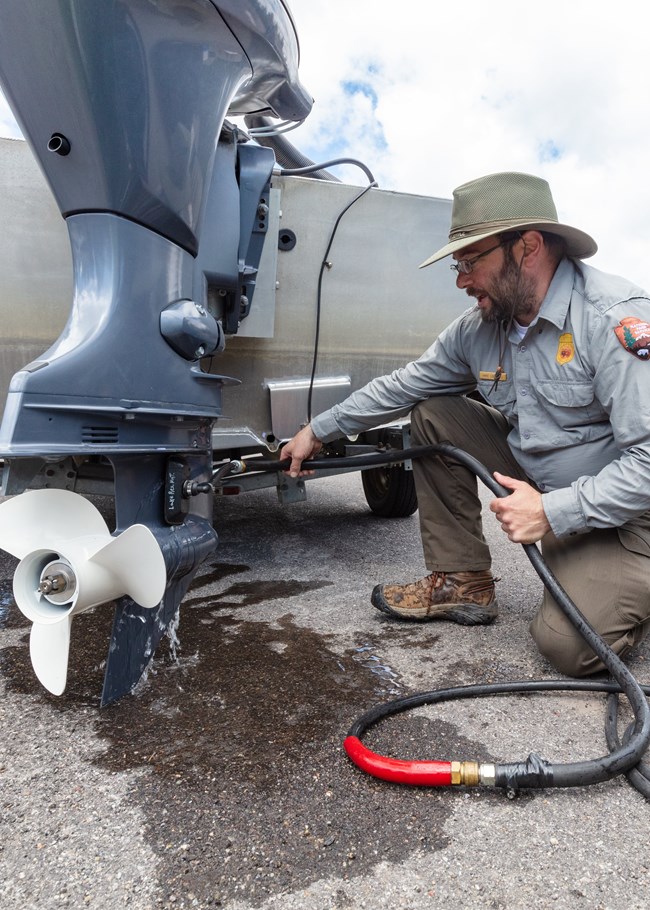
pixel 576 394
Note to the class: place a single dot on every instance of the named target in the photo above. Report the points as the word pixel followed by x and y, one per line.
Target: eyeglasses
pixel 465 266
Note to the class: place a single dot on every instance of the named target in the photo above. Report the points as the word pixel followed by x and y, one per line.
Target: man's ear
pixel 533 245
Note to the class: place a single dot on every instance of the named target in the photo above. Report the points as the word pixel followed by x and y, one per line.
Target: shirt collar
pixel 555 305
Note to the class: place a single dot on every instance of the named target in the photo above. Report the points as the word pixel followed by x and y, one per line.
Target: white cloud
pixel 430 95
pixel 468 89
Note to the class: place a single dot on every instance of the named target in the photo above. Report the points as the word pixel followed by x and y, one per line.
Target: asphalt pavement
pixel 221 782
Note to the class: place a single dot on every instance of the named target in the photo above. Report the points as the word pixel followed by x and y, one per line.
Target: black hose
pixel 368 459
pixel 534 772
pixel 639 776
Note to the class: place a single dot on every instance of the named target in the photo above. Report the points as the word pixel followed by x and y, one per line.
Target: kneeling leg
pixel 610 585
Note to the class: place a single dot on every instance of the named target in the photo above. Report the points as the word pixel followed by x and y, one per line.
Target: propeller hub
pixel 57 582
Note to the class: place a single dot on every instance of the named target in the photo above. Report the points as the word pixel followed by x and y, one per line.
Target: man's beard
pixel 512 294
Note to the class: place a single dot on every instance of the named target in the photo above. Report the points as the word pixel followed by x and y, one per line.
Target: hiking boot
pixel 467 598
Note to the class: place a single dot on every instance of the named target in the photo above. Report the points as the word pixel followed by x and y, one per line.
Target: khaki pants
pixel 606 573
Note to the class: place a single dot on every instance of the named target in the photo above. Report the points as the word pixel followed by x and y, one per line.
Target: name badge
pixel 492 376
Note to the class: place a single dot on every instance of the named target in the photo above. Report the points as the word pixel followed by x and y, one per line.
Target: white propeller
pixel 70 563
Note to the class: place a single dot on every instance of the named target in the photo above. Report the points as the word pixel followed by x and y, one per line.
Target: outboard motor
pixel 123 103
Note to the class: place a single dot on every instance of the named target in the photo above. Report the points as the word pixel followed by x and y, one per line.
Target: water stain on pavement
pixel 250 593
pixel 248 792
pixel 10 615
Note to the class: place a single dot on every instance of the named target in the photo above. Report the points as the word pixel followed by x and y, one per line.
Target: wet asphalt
pixel 221 782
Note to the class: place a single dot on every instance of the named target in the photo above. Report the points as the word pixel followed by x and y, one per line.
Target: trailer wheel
pixel 390 491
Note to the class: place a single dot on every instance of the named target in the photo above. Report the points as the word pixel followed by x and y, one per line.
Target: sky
pixel 431 94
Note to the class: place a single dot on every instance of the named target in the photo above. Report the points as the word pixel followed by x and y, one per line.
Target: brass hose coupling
pixel 471 774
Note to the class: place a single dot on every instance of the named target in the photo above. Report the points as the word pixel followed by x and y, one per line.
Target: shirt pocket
pixel 571 405
pixel 566 394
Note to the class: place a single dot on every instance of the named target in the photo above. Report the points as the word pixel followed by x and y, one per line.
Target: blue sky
pixel 433 94
pixel 430 95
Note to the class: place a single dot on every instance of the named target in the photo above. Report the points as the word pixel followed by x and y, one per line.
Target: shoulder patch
pixel 634 335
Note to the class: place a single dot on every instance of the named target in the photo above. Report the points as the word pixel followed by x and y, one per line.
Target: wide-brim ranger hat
pixel 507 202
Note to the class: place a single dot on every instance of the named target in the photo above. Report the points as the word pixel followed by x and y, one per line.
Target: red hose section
pixel 415 773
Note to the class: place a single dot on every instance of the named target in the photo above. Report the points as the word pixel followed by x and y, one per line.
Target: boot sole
pixel 464 614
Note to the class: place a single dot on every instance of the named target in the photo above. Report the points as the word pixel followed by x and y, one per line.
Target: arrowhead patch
pixel 565 349
pixel 634 335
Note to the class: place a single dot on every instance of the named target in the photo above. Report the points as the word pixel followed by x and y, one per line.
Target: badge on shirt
pixel 565 349
pixel 484 374
pixel 634 335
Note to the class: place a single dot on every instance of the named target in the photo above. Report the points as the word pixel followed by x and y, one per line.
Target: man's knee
pixel 434 418
pixel 421 423
pixel 568 652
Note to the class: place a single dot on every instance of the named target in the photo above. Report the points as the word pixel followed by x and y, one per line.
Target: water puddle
pixel 251 593
pixel 366 656
pixel 239 728
pixel 10 615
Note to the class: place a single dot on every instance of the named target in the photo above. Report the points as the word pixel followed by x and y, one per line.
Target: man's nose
pixel 463 281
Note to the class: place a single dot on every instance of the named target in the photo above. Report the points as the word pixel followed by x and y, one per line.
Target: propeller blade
pixel 136 562
pixel 45 518
pixel 49 646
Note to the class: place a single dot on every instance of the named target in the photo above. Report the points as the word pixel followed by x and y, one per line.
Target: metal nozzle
pixel 51 583
pixel 488 775
pixel 57 582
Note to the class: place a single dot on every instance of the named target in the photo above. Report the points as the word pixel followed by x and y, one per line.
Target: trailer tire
pixel 390 491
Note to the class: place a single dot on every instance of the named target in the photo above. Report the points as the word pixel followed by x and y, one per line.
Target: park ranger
pixel 559 353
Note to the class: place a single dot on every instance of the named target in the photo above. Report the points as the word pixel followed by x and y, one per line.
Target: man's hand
pixel 521 514
pixel 303 445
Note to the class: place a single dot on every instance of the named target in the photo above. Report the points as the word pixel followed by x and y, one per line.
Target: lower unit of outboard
pixel 123 104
